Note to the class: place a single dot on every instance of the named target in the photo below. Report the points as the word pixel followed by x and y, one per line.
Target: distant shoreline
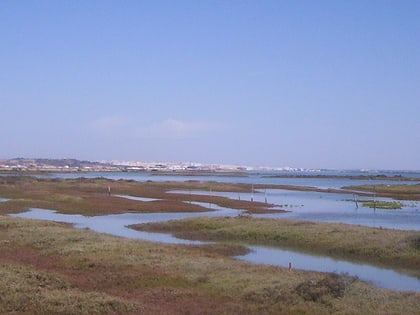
pixel 361 177
pixel 196 173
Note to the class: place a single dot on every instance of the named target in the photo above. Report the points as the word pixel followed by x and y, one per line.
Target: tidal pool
pixel 144 199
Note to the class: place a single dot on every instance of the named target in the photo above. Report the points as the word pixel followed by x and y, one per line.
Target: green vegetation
pixel 379 204
pixel 48 267
pixel 391 248
pixel 387 205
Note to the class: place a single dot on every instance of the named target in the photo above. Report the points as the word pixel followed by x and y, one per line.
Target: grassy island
pixel 384 247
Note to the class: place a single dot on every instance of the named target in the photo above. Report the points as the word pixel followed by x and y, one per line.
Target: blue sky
pixel 316 84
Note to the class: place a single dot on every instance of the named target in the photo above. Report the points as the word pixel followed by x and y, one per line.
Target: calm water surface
pixel 144 199
pixel 328 207
pixel 117 224
pixel 255 178
pixel 384 278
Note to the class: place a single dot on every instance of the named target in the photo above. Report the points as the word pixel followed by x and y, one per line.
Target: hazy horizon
pixel 301 84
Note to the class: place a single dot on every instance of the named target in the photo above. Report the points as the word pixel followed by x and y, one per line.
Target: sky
pixel 311 84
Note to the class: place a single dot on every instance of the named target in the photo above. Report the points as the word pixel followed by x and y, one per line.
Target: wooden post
pixel 374 198
pixel 210 195
pixel 355 200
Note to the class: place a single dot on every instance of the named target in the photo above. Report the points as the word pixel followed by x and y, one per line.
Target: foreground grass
pixel 48 267
pixel 391 248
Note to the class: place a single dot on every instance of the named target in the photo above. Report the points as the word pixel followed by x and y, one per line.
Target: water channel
pixel 267 177
pixel 118 225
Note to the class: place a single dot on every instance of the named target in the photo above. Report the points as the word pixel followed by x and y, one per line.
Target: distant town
pixel 74 165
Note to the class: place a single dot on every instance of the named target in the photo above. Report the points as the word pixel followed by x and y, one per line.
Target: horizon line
pixel 283 168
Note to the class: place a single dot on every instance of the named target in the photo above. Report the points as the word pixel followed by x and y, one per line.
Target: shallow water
pixel 110 224
pixel 254 178
pixel 328 207
pixel 144 199
pixel 117 225
pixel 384 278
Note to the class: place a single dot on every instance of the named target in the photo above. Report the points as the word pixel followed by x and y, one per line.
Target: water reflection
pixel 144 199
pixel 383 278
pixel 328 207
pixel 117 224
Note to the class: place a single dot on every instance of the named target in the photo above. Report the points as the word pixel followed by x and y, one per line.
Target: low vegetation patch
pixel 313 290
pixel 387 205
pixel 415 241
pixel 379 204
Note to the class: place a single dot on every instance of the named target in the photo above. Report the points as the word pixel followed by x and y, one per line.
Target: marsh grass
pixel 392 248
pixel 27 290
pixel 379 204
pixel 401 192
pixel 46 267
pixel 90 196
pixel 386 205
